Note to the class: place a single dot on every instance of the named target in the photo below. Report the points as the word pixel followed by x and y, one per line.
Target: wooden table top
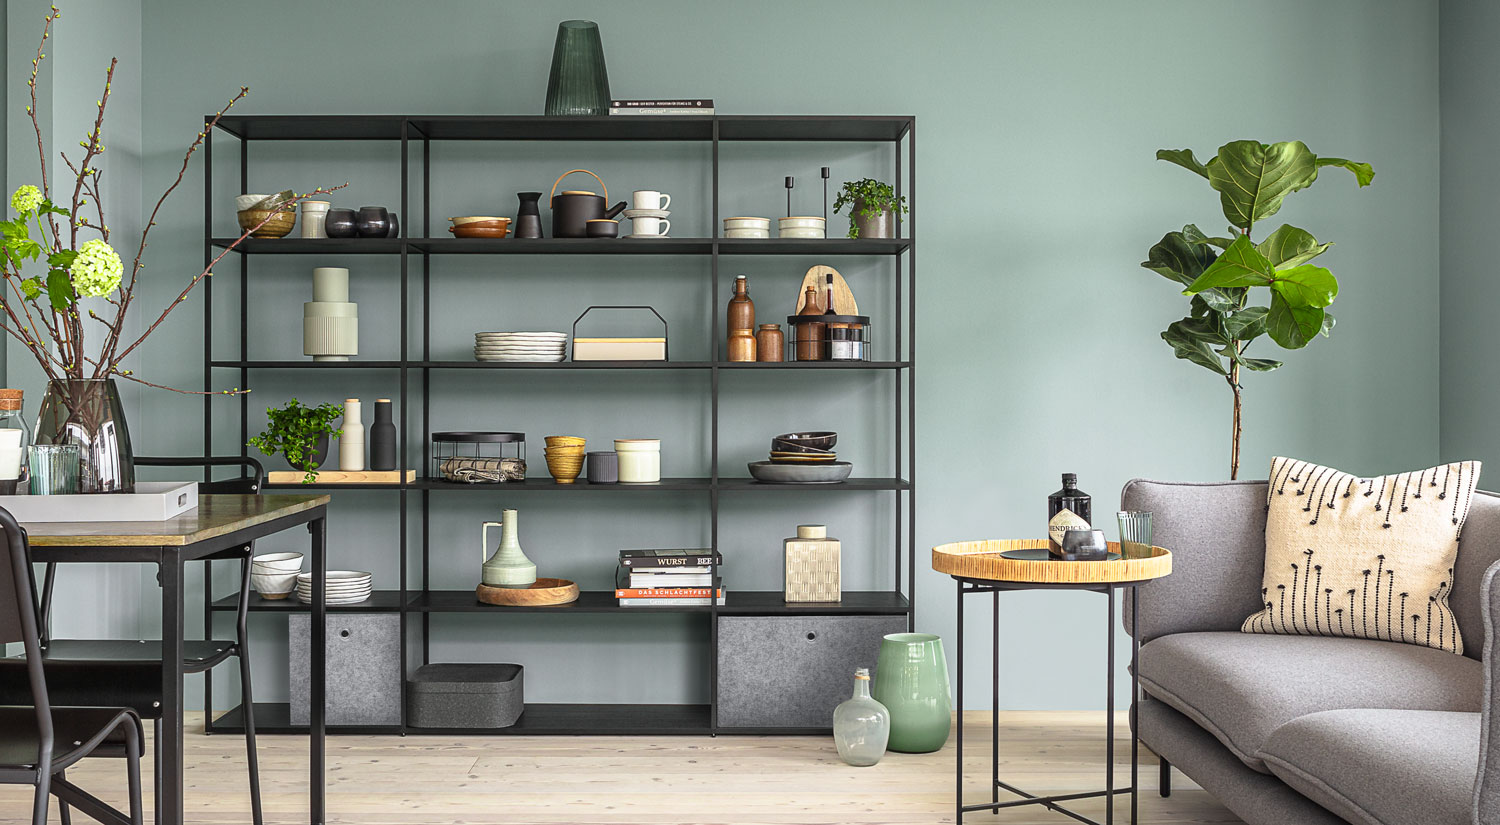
pixel 216 515
pixel 982 560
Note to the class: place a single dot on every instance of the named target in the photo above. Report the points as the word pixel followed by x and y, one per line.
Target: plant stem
pixel 1234 445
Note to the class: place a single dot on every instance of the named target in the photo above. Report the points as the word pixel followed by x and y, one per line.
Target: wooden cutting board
pixel 843 299
pixel 340 477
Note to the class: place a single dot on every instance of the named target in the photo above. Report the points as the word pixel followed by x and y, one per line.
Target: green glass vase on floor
pixel 911 680
pixel 579 84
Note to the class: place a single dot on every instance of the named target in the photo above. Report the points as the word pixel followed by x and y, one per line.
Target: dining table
pixel 220 525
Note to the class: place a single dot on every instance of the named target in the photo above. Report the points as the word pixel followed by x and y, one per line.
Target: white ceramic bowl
pixel 804 222
pixel 277 562
pixel 273 584
pixel 799 232
pixel 747 233
pixel 747 223
pixel 243 202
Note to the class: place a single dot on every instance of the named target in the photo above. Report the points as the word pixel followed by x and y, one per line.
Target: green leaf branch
pixel 1222 274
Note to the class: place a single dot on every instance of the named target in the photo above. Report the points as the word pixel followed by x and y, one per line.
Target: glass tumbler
pixel 1135 533
pixel 54 468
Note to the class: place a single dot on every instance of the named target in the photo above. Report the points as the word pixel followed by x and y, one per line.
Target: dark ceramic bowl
pixel 820 441
pixel 340 223
pixel 602 229
pixel 372 222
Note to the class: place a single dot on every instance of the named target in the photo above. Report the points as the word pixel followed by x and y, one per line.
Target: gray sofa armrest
pixel 1217 535
pixel 1487 780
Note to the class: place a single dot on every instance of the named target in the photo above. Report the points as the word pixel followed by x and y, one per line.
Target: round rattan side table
pixel 994 566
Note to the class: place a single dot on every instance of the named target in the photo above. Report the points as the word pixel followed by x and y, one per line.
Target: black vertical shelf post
pixel 715 336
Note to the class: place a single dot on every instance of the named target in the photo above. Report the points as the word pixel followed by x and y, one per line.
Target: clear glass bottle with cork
pixel 812 572
pixel 15 437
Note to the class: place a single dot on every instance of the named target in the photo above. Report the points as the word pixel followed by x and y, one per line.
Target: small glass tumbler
pixel 54 468
pixel 1135 533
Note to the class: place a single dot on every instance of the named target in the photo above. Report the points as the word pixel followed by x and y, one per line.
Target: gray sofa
pixel 1303 730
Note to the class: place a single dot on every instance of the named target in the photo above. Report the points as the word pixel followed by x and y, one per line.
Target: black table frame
pixel 968 585
pixel 170 561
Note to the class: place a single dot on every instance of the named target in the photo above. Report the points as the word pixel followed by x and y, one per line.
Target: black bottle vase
pixel 529 215
pixel 383 437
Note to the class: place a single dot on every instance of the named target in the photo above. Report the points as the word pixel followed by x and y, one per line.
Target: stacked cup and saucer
pixel 648 218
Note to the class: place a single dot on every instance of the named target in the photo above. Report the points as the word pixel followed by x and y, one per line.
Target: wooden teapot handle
pixel 553 197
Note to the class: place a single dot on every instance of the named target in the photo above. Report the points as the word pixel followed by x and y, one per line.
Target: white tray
pixel 151 501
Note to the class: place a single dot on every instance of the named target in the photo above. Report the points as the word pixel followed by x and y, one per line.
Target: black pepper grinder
pixel 825 196
pixel 790 182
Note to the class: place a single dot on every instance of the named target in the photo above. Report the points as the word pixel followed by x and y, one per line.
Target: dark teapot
pixel 573 209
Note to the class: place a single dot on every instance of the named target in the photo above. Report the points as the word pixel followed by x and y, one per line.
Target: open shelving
pixel 413 600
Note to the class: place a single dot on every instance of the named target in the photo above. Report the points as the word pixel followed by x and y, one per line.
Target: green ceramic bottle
pixel 911 680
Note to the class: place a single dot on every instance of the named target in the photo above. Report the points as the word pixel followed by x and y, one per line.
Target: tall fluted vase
pixel 911 680
pixel 579 83
pixel 87 412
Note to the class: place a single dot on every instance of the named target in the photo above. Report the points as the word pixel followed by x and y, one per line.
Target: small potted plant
pixel 872 206
pixel 300 434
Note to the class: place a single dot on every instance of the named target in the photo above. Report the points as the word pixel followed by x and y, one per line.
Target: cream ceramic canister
pixel 640 460
pixel 314 214
pixel 509 567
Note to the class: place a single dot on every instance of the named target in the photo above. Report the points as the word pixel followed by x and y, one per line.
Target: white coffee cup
pixel 650 199
pixel 650 226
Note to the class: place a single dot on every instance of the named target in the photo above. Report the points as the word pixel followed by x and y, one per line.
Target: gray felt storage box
pixel 363 674
pixel 792 671
pixel 452 695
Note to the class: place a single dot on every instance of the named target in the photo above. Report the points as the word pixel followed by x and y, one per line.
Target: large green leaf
pixel 1258 364
pixel 1253 178
pixel 1183 158
pixel 1246 324
pixel 1191 341
pixel 60 290
pixel 1289 246
pixel 1195 235
pixel 1306 285
pixel 1240 265
pixel 1328 323
pixel 1364 173
pixel 1175 257
pixel 1291 327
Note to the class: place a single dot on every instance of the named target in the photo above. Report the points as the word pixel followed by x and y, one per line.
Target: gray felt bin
pixel 453 695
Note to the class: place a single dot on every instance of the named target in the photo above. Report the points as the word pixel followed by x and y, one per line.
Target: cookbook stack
pixel 668 578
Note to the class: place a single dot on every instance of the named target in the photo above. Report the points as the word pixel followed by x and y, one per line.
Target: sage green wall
pixel 1470 379
pixel 1038 195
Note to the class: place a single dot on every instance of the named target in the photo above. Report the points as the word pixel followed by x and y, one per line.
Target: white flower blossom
pixel 97 270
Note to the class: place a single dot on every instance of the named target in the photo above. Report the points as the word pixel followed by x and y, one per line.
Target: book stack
pixel 704 106
pixel 667 578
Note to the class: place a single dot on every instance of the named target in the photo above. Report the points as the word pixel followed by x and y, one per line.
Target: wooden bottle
pixel 770 344
pixel 741 322
pixel 741 345
pixel 809 334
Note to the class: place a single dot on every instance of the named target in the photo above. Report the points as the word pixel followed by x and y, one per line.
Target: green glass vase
pixel 579 83
pixel 911 680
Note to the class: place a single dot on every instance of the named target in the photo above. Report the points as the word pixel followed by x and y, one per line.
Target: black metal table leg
pixel 960 703
pixel 994 700
pixel 318 692
pixel 170 746
pixel 1135 699
pixel 1109 712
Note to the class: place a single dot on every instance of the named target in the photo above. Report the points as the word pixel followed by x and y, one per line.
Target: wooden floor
pixel 436 780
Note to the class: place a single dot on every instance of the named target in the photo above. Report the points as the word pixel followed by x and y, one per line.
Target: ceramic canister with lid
pixel 640 460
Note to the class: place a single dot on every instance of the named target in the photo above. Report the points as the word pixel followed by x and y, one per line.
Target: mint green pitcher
pixel 911 680
pixel 509 567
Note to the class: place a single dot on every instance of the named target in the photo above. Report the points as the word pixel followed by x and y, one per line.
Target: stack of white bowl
pixel 747 227
pixel 801 227
pixel 274 575
pixel 344 586
pixel 520 346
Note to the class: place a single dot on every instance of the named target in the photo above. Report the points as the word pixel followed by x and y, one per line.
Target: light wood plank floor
pixel 435 780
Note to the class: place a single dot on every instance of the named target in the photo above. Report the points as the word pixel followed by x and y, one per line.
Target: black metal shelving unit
pixel 414 367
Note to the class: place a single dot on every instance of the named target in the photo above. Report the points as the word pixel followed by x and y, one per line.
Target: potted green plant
pixel 1219 274
pixel 300 434
pixel 872 206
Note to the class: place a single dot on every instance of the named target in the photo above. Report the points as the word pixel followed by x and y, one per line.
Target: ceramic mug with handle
pixel 650 226
pixel 650 199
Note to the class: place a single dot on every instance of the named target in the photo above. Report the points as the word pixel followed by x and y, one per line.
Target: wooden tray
pixel 982 560
pixel 340 477
pixel 541 594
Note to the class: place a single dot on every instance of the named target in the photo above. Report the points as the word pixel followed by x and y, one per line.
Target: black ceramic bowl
pixel 340 223
pixel 810 442
pixel 602 229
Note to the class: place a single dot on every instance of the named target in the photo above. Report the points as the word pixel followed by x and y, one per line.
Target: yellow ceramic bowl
pixel 565 441
pixel 279 226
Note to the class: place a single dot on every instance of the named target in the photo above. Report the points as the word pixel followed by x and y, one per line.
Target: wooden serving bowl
pixel 279 226
pixel 543 593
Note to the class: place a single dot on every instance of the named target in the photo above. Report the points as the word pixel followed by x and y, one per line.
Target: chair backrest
pixel 249 483
pixel 18 622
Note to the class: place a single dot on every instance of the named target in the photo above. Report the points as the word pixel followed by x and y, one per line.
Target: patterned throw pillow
pixel 1369 558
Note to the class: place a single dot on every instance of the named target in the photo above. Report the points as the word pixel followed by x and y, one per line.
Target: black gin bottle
pixel 383 437
pixel 1067 509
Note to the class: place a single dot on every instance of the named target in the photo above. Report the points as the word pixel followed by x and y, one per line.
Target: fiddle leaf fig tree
pixel 1222 275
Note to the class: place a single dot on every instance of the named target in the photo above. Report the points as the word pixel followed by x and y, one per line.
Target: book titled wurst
pixel 642 559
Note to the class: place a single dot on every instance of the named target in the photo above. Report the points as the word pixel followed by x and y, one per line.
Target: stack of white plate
pixel 520 346
pixel 344 586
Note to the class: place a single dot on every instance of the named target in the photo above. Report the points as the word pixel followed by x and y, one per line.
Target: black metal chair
pixel 40 741
pixel 123 671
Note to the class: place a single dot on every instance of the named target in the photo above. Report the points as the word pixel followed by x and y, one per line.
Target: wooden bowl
pixel 472 231
pixel 565 441
pixel 544 593
pixel 489 219
pixel 279 226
